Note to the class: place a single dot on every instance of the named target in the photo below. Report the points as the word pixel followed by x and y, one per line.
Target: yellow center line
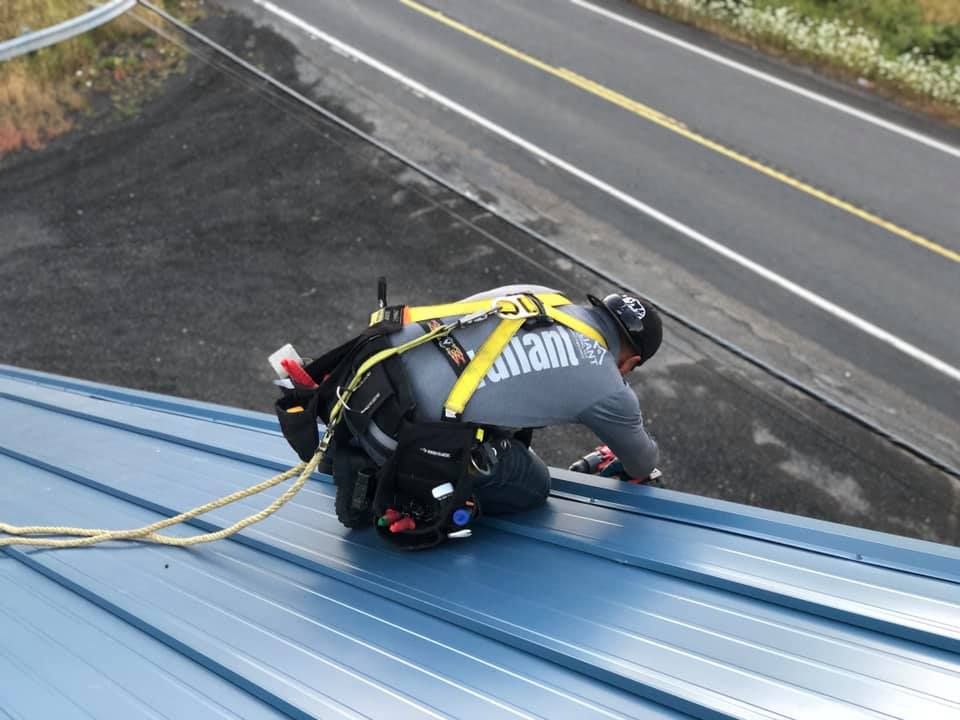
pixel 659 118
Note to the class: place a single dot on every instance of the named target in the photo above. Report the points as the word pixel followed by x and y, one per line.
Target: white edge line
pixel 773 80
pixel 596 520
pixel 773 277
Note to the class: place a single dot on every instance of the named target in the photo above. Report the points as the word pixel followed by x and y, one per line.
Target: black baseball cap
pixel 637 318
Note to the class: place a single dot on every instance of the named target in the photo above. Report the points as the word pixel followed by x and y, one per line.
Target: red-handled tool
pixel 404 523
pixel 297 373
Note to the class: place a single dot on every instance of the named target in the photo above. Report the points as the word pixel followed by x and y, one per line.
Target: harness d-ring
pixel 520 310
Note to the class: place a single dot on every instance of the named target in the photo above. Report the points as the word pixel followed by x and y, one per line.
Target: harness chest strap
pixel 522 305
pixel 477 368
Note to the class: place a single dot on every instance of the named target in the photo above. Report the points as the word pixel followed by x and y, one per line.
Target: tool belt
pixel 412 479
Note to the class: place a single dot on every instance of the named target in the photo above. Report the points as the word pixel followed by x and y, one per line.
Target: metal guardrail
pixel 28 42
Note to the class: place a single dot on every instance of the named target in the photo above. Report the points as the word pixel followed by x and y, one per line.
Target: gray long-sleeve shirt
pixel 547 375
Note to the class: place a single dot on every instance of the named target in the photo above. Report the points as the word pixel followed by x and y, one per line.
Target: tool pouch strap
pixel 427 456
pixel 384 394
pixel 332 371
pixel 355 480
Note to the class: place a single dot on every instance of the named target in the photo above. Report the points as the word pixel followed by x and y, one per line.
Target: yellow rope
pixel 148 532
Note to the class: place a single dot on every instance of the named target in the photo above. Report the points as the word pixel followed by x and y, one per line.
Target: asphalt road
pixel 842 229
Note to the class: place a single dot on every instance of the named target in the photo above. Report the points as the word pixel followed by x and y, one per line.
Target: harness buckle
pixel 520 306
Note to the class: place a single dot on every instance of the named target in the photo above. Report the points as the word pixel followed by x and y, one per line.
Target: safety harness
pixel 413 479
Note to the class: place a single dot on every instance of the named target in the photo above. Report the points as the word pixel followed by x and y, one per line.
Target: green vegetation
pixel 908 49
pixel 43 94
pixel 900 25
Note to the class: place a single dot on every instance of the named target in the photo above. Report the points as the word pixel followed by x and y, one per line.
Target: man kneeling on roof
pixel 439 430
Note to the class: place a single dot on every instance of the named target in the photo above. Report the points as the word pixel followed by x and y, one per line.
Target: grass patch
pixel 907 50
pixel 43 94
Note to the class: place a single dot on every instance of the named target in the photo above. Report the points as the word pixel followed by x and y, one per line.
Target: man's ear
pixel 629 364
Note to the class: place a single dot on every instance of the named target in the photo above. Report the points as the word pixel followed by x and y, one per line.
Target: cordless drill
pixel 602 461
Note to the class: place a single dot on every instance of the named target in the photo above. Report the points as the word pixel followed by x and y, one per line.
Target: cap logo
pixel 635 305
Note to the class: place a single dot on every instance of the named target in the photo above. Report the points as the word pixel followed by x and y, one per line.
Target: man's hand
pixel 654 478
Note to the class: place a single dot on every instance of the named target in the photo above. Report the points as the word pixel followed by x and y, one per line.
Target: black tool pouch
pixel 428 455
pixel 331 372
pixel 297 412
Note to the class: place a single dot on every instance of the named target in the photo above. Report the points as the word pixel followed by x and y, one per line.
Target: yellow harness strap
pixel 473 374
pixel 576 325
pixel 522 305
pixel 507 304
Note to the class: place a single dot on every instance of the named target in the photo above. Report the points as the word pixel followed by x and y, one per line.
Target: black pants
pixel 519 480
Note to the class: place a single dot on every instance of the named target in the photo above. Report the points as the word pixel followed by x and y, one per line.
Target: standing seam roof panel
pixel 865 546
pixel 65 657
pixel 706 618
pixel 917 608
pixel 270 626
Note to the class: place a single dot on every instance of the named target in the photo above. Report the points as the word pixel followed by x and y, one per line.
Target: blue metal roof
pixel 611 601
